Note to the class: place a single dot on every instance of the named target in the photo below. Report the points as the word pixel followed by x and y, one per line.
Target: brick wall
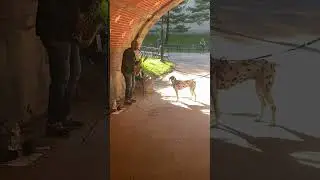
pixel 129 20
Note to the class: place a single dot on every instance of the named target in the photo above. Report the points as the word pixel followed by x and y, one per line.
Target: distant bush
pixel 104 10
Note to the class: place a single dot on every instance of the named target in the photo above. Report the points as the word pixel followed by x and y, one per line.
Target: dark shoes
pixel 63 129
pixel 57 130
pixel 70 124
pixel 7 155
pixel 129 102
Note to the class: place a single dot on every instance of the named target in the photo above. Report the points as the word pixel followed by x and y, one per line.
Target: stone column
pixel 117 84
pixel 24 76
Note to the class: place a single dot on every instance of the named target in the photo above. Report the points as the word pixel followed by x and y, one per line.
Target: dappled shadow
pixel 162 84
pixel 274 161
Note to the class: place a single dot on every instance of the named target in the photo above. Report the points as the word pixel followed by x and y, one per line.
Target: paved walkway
pixel 158 138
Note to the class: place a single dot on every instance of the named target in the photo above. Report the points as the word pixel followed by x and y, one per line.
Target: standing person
pixel 55 24
pixel 203 44
pixel 129 61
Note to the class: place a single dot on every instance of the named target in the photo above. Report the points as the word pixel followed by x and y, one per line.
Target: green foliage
pixel 156 68
pixel 181 28
pixel 104 10
pixel 178 18
pixel 200 13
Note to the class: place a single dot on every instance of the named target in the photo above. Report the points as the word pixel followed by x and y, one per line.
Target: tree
pixel 104 10
pixel 175 20
pixel 200 13
pixel 178 18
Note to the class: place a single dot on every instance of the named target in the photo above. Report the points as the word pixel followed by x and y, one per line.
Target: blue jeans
pixel 130 85
pixel 65 69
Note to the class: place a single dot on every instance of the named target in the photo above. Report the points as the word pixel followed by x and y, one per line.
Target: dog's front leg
pixel 177 94
pixel 262 101
pixel 216 108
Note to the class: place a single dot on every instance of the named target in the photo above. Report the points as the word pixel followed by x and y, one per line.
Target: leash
pixel 264 40
pixel 199 76
pixel 288 50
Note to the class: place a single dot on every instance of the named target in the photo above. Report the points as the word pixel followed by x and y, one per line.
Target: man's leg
pixel 58 54
pixel 128 81
pixel 75 71
pixel 133 77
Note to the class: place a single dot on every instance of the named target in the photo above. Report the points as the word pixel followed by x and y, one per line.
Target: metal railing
pixel 177 48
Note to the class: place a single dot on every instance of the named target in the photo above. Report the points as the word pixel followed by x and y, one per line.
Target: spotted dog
pixel 179 85
pixel 228 73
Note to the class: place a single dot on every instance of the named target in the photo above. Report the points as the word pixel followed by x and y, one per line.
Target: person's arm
pixel 124 66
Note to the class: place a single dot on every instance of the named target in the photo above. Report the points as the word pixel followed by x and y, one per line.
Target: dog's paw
pixel 214 123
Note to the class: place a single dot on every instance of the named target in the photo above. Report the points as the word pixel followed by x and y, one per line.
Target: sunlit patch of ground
pixel 308 158
pixel 164 87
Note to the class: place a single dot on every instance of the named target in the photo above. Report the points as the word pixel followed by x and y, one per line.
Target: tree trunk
pixel 162 38
pixel 168 27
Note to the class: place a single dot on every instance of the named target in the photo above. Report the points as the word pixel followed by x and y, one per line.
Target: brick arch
pixel 129 20
pixel 132 19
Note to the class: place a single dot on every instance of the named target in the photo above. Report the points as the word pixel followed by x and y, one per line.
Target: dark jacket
pixel 128 61
pixel 56 19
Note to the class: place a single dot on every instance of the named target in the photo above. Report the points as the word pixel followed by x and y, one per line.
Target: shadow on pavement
pixel 68 158
pixel 229 161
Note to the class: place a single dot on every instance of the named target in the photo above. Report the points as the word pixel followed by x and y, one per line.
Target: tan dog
pixel 179 85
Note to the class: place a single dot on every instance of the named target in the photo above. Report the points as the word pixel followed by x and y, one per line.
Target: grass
pixel 156 68
pixel 183 39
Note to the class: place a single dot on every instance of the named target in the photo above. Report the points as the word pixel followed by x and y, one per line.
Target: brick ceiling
pixel 128 16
